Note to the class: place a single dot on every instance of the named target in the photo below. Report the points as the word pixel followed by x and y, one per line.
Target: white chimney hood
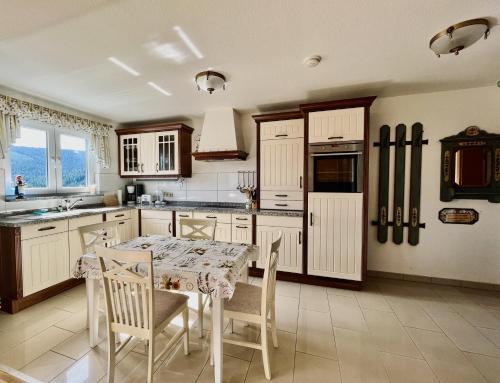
pixel 221 138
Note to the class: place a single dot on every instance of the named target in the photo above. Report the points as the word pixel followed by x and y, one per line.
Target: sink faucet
pixel 70 205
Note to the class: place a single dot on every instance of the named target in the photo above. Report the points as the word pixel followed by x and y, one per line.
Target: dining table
pixel 179 264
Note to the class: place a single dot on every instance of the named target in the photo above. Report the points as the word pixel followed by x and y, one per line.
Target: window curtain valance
pixel 12 109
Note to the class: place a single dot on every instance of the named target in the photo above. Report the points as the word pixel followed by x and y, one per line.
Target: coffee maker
pixel 133 192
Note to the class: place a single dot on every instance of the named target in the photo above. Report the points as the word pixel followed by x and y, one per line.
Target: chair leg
pixel 185 320
pixel 111 356
pixel 265 349
pixel 151 360
pixel 273 327
pixel 211 347
pixel 200 315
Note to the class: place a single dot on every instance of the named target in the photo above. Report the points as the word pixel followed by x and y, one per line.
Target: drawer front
pixel 282 195
pixel 242 233
pixel 118 216
pixel 156 214
pixel 279 221
pixel 220 217
pixel 75 223
pixel 242 219
pixel 43 229
pixel 183 214
pixel 281 205
pixel 277 130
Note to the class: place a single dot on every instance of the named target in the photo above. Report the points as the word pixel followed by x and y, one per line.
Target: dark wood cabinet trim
pixel 293 115
pixel 221 155
pixel 152 127
pixel 11 277
pixel 338 104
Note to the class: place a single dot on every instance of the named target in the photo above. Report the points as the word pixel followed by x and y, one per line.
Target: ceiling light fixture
pixel 124 66
pixel 459 36
pixel 210 81
pixel 184 37
pixel 312 61
pixel 159 88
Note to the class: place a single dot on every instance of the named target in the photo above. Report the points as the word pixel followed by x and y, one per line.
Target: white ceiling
pixel 59 50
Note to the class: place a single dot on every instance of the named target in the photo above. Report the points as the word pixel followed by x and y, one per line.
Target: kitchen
pixel 367 282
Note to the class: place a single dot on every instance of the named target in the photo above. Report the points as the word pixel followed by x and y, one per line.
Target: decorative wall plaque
pixel 458 216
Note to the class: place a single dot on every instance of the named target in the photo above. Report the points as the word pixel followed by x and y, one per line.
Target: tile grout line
pixel 337 353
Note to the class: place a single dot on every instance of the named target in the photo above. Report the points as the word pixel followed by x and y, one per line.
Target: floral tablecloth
pixel 209 267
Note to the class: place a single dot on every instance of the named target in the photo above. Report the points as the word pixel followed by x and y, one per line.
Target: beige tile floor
pixel 393 331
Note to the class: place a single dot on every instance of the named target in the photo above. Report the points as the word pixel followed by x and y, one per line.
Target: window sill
pixel 34 197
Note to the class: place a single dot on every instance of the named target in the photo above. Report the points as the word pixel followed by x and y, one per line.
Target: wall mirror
pixel 470 166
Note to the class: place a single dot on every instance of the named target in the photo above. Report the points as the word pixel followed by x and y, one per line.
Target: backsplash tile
pixel 202 181
pixel 230 196
pixel 227 181
pixel 202 195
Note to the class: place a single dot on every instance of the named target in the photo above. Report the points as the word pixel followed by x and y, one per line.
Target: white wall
pixel 107 179
pixel 212 181
pixel 463 252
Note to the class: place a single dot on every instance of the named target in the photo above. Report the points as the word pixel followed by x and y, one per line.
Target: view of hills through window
pixel 29 158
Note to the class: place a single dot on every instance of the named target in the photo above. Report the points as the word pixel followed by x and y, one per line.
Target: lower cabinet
pixel 156 222
pixel 45 262
pixel 125 230
pixel 241 233
pixel 335 235
pixel 290 256
pixel 223 232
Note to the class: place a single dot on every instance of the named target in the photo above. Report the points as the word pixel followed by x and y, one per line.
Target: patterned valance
pixel 99 132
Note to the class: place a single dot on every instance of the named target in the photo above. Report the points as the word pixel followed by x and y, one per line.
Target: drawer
pixel 281 195
pixel 43 229
pixel 241 219
pixel 220 217
pixel 279 221
pixel 241 233
pixel 118 216
pixel 278 130
pixel 75 223
pixel 183 214
pixel 281 205
pixel 156 214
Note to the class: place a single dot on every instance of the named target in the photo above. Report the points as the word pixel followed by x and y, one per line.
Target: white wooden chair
pixel 100 234
pixel 133 306
pixel 255 304
pixel 198 229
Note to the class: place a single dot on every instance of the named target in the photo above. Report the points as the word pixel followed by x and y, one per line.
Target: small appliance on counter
pixel 146 199
pixel 134 193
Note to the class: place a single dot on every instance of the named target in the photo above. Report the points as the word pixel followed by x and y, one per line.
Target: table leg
pixel 92 286
pixel 217 333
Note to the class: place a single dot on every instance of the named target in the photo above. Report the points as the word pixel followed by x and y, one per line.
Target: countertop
pixel 26 217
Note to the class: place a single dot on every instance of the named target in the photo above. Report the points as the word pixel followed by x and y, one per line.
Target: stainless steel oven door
pixel 336 168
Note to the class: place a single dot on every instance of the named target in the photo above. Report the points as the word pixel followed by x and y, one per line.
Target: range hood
pixel 221 138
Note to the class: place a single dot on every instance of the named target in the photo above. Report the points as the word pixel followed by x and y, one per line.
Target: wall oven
pixel 336 167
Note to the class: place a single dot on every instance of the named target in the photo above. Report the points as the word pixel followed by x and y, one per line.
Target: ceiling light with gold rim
pixel 459 36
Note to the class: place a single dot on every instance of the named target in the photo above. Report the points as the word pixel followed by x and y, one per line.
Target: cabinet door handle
pixel 121 223
pixel 142 168
pixel 119 215
pixel 310 219
pixel 281 135
pixel 170 227
pixel 210 216
pixel 241 219
pixel 280 204
pixel 281 195
pixel 336 137
pixel 184 215
pixel 300 182
pixel 241 227
pixel 300 238
pixel 47 228
pixel 157 167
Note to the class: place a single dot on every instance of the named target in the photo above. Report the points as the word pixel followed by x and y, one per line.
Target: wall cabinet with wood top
pixel 336 125
pixel 155 150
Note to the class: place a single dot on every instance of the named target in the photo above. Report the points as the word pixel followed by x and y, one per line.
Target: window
pixel 50 160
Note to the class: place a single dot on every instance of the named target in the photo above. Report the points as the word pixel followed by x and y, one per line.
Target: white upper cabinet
pixel 275 130
pixel 336 125
pixel 282 164
pixel 166 152
pixel 335 239
pixel 130 146
pixel 147 154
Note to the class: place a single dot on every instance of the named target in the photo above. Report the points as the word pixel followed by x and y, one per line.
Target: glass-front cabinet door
pixel 167 152
pixel 130 154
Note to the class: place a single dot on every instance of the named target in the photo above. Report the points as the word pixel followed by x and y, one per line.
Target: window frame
pixel 54 165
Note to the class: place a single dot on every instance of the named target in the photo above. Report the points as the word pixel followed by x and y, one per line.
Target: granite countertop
pixel 19 218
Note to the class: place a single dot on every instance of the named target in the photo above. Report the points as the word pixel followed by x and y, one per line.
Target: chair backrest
pixel 99 234
pixel 269 278
pixel 129 295
pixel 197 228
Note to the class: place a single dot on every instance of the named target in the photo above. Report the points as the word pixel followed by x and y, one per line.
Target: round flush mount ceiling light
pixel 312 61
pixel 459 36
pixel 210 81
